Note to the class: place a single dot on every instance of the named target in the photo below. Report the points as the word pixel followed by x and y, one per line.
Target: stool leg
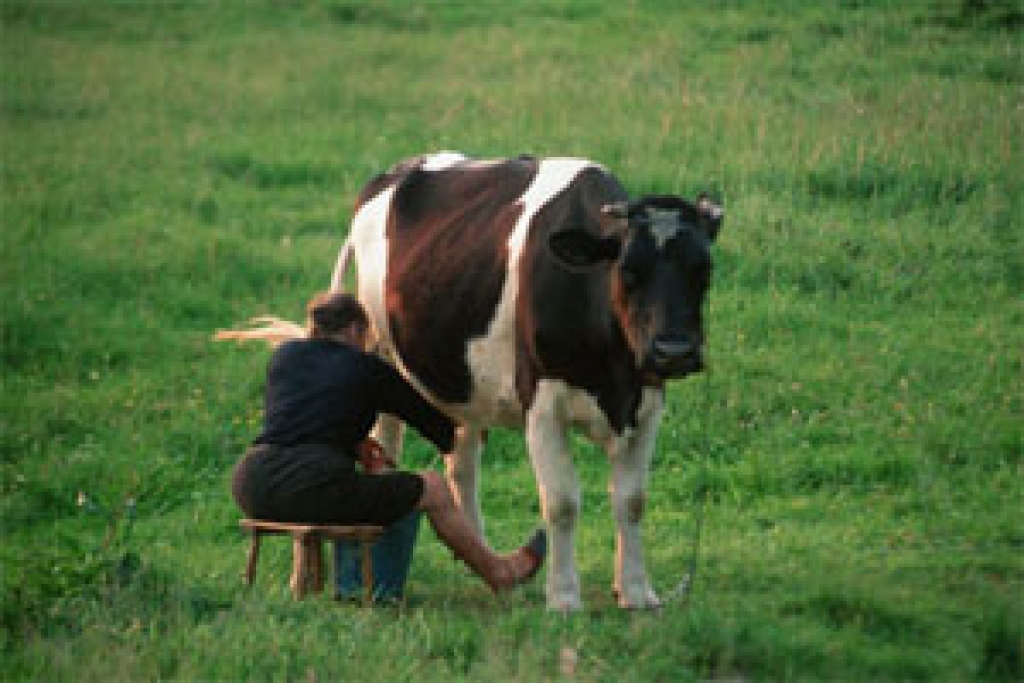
pixel 365 547
pixel 316 563
pixel 254 556
pixel 300 565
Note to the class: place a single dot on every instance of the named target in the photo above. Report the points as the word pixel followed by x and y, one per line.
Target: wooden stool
pixel 307 552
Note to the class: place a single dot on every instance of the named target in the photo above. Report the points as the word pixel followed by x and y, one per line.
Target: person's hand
pixel 373 457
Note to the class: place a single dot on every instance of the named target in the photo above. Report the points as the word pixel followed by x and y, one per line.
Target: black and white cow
pixel 532 293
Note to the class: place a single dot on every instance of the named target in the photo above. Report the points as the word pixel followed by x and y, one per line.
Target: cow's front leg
pixel 631 460
pixel 462 468
pixel 560 502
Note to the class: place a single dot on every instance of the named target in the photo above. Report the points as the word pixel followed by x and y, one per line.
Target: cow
pixel 533 293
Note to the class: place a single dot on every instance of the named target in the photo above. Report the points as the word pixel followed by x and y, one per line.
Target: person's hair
pixel 331 312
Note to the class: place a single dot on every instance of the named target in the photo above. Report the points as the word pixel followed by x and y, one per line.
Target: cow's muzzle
pixel 675 357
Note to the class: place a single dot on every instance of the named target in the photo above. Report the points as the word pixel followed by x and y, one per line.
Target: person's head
pixel 338 316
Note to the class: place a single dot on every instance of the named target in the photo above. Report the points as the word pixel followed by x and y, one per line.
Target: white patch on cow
pixel 369 239
pixel 664 226
pixel 492 357
pixel 442 160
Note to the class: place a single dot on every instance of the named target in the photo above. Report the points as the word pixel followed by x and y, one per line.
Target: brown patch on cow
pixel 385 180
pixel 623 311
pixel 448 232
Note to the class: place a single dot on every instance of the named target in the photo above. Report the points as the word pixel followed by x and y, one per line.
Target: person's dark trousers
pixel 392 557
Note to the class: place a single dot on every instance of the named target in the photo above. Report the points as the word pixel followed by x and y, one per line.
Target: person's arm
pixel 395 396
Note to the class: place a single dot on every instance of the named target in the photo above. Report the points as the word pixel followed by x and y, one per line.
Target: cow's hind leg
pixel 462 467
pixel 560 500
pixel 389 432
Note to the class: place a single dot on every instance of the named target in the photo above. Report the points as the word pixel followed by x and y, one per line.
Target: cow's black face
pixel 660 284
pixel 659 251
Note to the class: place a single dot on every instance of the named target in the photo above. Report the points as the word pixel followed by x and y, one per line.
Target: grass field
pixel 171 168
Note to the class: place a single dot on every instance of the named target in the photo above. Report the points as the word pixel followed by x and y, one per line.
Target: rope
pixel 684 589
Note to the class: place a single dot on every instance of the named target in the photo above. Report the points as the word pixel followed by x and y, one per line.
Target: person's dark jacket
pixel 324 392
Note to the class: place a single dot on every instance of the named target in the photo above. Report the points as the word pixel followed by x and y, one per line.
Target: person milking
pixel 323 395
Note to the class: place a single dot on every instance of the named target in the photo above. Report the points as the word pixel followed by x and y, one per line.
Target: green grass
pixel 173 168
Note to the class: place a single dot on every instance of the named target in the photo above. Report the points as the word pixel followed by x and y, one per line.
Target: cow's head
pixel 658 249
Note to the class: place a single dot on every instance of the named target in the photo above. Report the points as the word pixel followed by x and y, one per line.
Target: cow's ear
pixel 577 249
pixel 709 216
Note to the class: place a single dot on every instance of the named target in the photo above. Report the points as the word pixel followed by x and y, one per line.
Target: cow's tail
pixel 266 328
pixel 342 267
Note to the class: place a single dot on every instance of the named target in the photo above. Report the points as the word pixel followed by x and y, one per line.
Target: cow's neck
pixel 611 378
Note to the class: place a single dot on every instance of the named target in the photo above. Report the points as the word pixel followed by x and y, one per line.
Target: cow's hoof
pixel 565 604
pixel 640 600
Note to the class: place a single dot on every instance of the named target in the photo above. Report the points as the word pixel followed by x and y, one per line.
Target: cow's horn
pixel 616 210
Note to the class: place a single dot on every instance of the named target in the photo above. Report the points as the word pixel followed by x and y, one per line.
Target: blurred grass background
pixel 173 168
